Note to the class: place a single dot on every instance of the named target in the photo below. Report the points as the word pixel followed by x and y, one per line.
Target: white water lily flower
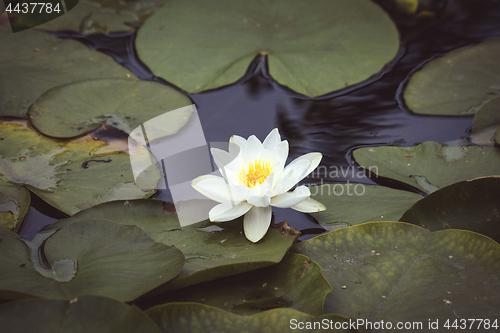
pixel 255 178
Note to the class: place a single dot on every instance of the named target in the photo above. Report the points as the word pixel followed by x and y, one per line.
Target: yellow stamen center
pixel 257 173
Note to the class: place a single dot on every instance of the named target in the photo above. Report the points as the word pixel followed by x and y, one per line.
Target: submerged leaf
pixel 14 204
pixel 398 272
pixel 69 175
pixel 105 16
pixel 313 48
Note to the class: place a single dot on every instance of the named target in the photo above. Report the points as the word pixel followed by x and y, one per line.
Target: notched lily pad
pixel 311 48
pixel 190 317
pixel 82 314
pixel 69 175
pixel 459 83
pixel 430 165
pixel 57 62
pixel 212 250
pixel 469 205
pixel 399 272
pixel 67 111
pixel 14 204
pixel 87 257
pixel 352 204
pixel 296 283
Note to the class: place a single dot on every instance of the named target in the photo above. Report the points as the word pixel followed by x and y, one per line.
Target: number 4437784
pixel 471 324
pixel 31 7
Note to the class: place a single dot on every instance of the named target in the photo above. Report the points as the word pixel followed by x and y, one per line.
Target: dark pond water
pixel 371 113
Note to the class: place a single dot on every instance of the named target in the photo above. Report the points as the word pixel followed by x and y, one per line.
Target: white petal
pixel 228 212
pixel 314 158
pixel 213 187
pixel 272 140
pixel 253 150
pixel 234 149
pixel 300 168
pixel 292 174
pixel 221 157
pixel 278 158
pixel 259 200
pixel 290 199
pixel 309 206
pixel 237 140
pixel 240 191
pixel 256 222
pixel 267 186
pixel 234 167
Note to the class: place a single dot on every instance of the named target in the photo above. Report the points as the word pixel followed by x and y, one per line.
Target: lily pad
pixel 399 272
pixel 191 317
pixel 105 16
pixel 357 203
pixel 83 314
pixel 66 111
pixel 212 250
pixel 311 48
pixel 470 205
pixel 430 165
pixel 459 83
pixel 69 175
pixel 88 257
pixel 295 283
pixel 486 123
pixel 14 204
pixel 33 62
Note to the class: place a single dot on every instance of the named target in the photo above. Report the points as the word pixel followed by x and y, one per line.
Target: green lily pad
pixel 105 16
pixel 191 317
pixel 430 165
pixel 69 175
pixel 470 205
pixel 295 283
pixel 14 204
pixel 311 48
pixel 399 272
pixel 352 204
pixel 460 83
pixel 212 250
pixel 486 123
pixel 83 314
pixel 66 111
pixel 33 62
pixel 87 257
